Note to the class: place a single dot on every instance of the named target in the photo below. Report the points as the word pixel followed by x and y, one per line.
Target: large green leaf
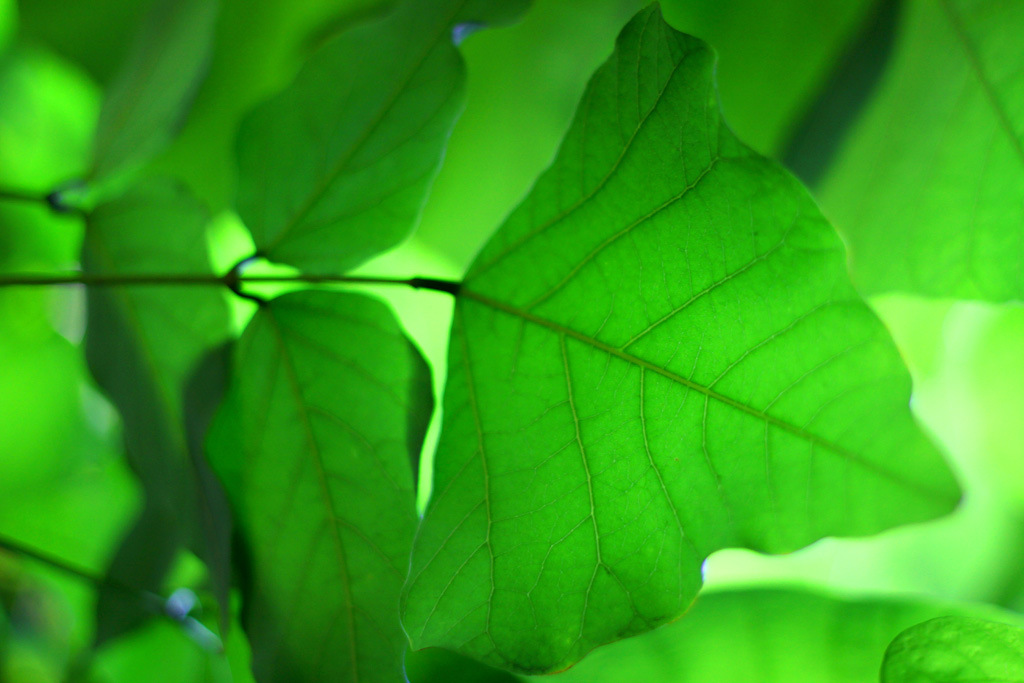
pixel 779 635
pixel 956 650
pixel 149 99
pixel 142 344
pixel 328 400
pixel 657 356
pixel 929 189
pixel 336 168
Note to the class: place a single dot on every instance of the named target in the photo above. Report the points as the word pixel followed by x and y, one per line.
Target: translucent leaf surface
pixel 929 189
pixel 148 100
pixel 658 355
pixel 314 442
pixel 142 345
pixel 336 168
pixel 956 650
pixel 779 635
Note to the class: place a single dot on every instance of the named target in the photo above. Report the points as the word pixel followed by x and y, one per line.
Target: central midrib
pixel 711 393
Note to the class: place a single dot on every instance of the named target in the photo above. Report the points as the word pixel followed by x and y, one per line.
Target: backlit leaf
pixel 658 355
pixel 956 650
pixel 314 444
pixel 336 168
pixel 148 100
pixel 929 188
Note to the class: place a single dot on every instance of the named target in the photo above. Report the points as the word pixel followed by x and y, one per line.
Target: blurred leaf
pixel 8 22
pixel 143 342
pixel 955 650
pixel 71 29
pixel 657 356
pixel 773 56
pixel 47 113
pixel 929 189
pixel 435 665
pixel 158 653
pixel 259 46
pixel 142 560
pixel 154 89
pixel 324 387
pixel 336 168
pixel 204 393
pixel 775 635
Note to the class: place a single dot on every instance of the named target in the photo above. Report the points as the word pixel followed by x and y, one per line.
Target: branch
pixel 152 602
pixel 229 280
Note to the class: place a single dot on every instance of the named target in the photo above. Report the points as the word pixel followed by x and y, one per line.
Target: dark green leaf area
pixel 141 563
pixel 148 100
pixel 324 387
pixel 143 343
pixel 336 168
pixel 955 649
pixel 929 187
pixel 658 355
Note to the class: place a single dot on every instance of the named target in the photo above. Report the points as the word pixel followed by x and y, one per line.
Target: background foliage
pixel 892 113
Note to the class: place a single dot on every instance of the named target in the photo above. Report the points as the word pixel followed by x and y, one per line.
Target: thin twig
pixel 230 280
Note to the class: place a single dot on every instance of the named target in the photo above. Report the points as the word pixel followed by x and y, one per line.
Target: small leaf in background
pixel 144 341
pixel 314 444
pixel 768 635
pixel 147 103
pixel 928 189
pixel 956 649
pixel 335 169
pixel 657 356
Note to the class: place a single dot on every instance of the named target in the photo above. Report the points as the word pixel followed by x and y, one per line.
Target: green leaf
pixel 657 356
pixel 929 189
pixel 149 99
pixel 956 649
pixel 777 635
pixel 142 345
pixel 336 168
pixel 314 444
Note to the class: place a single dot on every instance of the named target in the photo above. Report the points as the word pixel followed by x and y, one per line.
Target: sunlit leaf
pixel 657 356
pixel 777 635
pixel 929 189
pixel 314 442
pixel 149 99
pixel 956 650
pixel 144 341
pixel 336 168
